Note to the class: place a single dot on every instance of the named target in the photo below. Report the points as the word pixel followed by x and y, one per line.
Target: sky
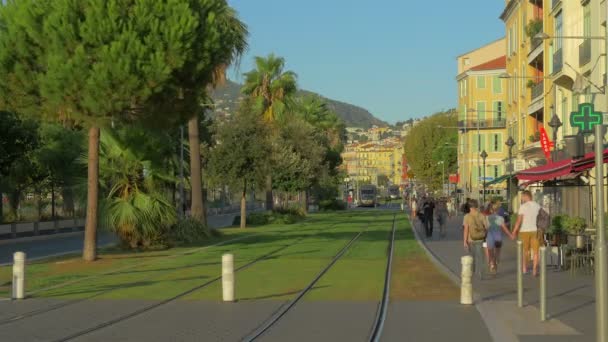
pixel 395 58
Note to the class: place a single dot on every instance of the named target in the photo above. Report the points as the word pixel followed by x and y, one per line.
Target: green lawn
pixel 295 254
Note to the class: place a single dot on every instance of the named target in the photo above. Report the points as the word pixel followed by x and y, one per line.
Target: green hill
pixel 228 97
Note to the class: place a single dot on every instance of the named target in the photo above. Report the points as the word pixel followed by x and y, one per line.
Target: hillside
pixel 228 97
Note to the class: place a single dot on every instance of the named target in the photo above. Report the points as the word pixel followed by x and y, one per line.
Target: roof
pixel 495 64
pixel 479 48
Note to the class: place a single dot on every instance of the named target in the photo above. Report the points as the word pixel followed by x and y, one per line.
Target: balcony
pixel 584 52
pixel 558 61
pixel 537 90
pixel 483 124
pixel 554 3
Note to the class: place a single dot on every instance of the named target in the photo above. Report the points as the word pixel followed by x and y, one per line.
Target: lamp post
pixel 442 163
pixel 555 124
pixel 483 156
pixel 510 143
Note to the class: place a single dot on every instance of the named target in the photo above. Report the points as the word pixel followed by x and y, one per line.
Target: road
pixel 52 245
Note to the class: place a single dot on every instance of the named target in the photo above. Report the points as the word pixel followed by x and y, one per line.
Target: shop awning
pixel 547 172
pixel 499 180
pixel 588 161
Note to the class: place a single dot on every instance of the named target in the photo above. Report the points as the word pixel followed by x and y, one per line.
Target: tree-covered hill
pixel 228 97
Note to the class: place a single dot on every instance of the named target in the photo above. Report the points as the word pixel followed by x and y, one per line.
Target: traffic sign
pixel 586 118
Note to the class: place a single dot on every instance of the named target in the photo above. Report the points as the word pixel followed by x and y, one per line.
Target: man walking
pixel 428 207
pixel 526 224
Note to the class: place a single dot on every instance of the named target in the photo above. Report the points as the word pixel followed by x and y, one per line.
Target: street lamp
pixel 483 156
pixel 442 176
pixel 555 123
pixel 601 273
pixel 510 143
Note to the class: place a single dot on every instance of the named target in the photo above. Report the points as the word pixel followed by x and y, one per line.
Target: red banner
pixel 454 178
pixel 545 143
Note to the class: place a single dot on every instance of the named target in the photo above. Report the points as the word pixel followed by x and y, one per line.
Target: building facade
pixel 375 162
pixel 482 119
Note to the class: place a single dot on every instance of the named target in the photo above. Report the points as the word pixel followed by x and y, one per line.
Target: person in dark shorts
pixel 428 208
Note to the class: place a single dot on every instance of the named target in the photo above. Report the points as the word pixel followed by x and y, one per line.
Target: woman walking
pixel 442 214
pixel 414 207
pixel 496 227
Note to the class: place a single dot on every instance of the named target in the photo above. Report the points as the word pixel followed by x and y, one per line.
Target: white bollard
pixel 18 275
pixel 228 277
pixel 466 287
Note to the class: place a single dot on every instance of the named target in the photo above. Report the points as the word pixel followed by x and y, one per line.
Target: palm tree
pixel 232 45
pixel 270 86
pixel 133 205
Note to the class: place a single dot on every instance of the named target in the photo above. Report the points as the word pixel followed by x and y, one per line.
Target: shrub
pixel 189 231
pixel 332 205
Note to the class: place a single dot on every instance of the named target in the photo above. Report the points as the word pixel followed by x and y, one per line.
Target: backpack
pixel 477 227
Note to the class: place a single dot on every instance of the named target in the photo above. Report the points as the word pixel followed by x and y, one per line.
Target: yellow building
pixel 370 162
pixel 482 119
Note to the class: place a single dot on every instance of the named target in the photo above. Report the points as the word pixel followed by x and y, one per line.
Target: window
pixel 482 142
pixel 510 42
pixel 481 110
pixel 497 85
pixel 481 82
pixel 587 20
pixel 558 31
pixel 496 171
pixel 497 142
pixel 551 59
pixel 497 109
pixel 524 22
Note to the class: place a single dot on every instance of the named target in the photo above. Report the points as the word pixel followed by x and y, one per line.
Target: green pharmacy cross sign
pixel 586 118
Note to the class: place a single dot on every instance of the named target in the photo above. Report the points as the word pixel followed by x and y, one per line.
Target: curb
pixel 39 238
pixel 495 327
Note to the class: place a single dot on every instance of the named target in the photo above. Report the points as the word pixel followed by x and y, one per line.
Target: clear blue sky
pixel 396 58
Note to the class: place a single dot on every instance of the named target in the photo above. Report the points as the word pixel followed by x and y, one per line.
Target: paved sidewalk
pixel 570 299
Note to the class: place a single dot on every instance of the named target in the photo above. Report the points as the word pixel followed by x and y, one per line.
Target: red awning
pixel 588 161
pixel 546 172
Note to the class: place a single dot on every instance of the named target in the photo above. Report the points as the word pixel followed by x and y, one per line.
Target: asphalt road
pixel 72 242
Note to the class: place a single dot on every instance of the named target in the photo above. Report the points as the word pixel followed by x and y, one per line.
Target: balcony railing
pixel 537 90
pixel 558 61
pixel 584 52
pixel 554 3
pixel 483 124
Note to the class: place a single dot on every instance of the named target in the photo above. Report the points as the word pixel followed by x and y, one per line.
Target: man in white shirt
pixel 526 224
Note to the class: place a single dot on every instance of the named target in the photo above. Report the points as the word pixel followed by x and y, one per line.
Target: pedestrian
pixel 496 227
pixel 450 207
pixel 442 216
pixel 474 234
pixel 526 230
pixel 428 208
pixel 414 207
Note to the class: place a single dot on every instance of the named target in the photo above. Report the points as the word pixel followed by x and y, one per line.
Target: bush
pixel 278 216
pixel 332 205
pixel 189 231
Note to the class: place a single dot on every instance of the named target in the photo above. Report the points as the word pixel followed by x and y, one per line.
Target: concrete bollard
pixel 18 275
pixel 543 283
pixel 466 287
pixel 520 276
pixel 228 277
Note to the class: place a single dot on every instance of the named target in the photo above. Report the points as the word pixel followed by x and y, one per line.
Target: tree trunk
pixel 198 208
pixel 53 202
pixel 39 204
pixel 1 207
pixel 304 201
pixel 269 200
pixel 244 205
pixel 89 251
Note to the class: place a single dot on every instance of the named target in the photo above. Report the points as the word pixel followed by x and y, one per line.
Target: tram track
pixel 378 324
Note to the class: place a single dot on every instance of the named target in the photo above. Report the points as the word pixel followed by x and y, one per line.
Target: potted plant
pixel 534 137
pixel 557 229
pixel 534 27
pixel 576 226
pixel 531 84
